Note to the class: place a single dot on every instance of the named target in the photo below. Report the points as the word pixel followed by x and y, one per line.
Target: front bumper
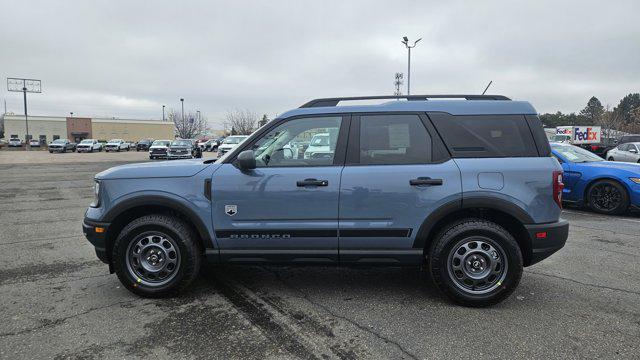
pixel 84 149
pixel 98 238
pixel 546 239
pixel 56 149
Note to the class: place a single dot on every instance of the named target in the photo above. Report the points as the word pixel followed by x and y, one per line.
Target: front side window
pixel 299 142
pixel 394 139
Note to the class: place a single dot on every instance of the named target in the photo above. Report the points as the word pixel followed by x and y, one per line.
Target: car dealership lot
pixel 58 300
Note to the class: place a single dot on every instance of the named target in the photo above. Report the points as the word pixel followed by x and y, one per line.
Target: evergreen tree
pixel 593 111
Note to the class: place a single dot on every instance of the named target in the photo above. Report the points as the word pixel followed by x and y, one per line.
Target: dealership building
pixel 49 128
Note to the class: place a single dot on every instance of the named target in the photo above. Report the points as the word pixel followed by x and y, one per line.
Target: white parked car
pixel 15 142
pixel 229 143
pixel 159 149
pixel 319 147
pixel 117 145
pixel 34 143
pixel 627 152
pixel 89 145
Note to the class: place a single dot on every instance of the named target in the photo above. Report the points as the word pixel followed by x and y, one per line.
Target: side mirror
pixel 633 151
pixel 246 160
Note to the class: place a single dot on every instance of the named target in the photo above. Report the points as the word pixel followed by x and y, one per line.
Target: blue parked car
pixel 606 187
pixel 464 188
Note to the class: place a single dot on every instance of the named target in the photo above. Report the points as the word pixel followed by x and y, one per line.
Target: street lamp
pixel 198 112
pixel 405 41
pixel 182 102
pixel 24 86
pixel 162 112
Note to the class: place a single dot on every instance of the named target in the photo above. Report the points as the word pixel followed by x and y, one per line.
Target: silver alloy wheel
pixel 477 265
pixel 153 259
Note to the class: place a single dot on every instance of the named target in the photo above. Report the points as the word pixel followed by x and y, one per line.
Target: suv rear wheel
pixel 156 256
pixel 475 262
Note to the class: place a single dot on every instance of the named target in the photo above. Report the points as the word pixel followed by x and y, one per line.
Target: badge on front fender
pixel 230 209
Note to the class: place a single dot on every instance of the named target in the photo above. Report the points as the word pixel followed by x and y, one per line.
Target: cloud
pixel 127 59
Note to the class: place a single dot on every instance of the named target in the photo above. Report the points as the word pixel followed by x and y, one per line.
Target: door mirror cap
pixel 246 160
pixel 633 151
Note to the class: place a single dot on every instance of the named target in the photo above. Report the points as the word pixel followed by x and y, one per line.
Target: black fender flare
pixel 158 200
pixel 485 202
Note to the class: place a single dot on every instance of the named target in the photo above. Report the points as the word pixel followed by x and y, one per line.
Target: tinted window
pixel 299 142
pixel 623 147
pixel 486 135
pixel 394 139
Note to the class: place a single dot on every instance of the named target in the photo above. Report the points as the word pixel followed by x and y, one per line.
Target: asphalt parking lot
pixel 58 301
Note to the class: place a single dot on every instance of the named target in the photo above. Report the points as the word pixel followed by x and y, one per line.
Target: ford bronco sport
pixel 465 188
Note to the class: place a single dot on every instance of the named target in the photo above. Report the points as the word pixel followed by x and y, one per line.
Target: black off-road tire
pixel 467 230
pixel 190 254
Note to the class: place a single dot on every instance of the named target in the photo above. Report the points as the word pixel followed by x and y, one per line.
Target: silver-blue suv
pixel 462 185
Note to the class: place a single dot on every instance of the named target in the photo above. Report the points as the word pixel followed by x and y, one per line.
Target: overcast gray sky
pixel 128 58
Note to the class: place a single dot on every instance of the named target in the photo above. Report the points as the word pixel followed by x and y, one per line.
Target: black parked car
pixel 144 144
pixel 62 145
pixel 629 138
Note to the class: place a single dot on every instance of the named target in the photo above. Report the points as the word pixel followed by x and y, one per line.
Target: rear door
pixel 397 173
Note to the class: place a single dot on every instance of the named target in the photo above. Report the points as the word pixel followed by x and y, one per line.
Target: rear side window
pixel 393 139
pixel 485 136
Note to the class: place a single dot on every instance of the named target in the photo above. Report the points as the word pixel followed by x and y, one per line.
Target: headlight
pixel 635 180
pixel 96 195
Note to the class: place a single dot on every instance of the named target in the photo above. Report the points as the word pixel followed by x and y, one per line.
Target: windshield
pixel 59 141
pixel 576 154
pixel 234 139
pixel 320 140
pixel 181 143
pixel 161 143
pixel 143 141
pixel 114 141
pixel 86 142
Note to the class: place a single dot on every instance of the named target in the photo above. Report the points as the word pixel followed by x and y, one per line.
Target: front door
pixel 396 175
pixel 285 210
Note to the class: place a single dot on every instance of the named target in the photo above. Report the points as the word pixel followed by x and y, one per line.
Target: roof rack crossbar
pixel 334 101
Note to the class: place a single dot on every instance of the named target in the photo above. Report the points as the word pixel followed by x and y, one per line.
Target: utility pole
pixel 25 86
pixel 198 115
pixel 162 112
pixel 405 41
pixel 398 83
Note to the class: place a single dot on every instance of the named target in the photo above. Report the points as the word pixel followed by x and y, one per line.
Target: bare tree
pixel 240 122
pixel 188 127
pixel 610 120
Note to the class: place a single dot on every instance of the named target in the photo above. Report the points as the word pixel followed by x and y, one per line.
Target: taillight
pixel 558 185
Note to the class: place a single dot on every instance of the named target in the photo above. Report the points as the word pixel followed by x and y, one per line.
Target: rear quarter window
pixel 485 136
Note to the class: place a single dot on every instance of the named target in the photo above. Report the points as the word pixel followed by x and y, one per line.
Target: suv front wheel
pixel 475 262
pixel 156 255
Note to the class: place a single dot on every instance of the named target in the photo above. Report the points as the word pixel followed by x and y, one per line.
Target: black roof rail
pixel 335 101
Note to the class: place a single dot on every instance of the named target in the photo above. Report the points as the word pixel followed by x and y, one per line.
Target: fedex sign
pixel 586 134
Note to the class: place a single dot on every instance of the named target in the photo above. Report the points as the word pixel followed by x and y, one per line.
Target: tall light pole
pixel 71 113
pixel 162 112
pixel 198 112
pixel 24 86
pixel 405 41
pixel 182 102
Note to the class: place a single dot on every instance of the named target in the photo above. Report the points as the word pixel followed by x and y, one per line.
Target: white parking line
pixel 600 216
